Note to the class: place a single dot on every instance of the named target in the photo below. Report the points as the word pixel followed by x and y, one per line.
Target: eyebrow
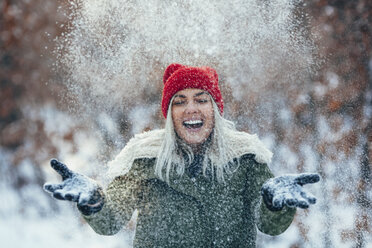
pixel 197 94
pixel 200 93
pixel 182 96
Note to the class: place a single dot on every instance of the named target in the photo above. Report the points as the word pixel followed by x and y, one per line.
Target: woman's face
pixel 193 116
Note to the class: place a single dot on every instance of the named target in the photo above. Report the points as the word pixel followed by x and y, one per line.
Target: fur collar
pixel 147 145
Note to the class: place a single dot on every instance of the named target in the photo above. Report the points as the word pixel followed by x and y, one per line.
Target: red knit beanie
pixel 179 77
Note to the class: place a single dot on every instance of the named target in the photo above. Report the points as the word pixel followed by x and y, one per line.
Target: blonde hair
pixel 217 156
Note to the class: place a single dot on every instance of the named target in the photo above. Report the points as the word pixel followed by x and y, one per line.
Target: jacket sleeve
pixel 267 221
pixel 121 198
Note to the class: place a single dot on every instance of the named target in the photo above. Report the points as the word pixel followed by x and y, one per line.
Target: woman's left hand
pixel 287 190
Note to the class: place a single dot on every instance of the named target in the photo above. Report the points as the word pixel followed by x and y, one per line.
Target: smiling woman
pixel 195 129
pixel 193 117
pixel 217 186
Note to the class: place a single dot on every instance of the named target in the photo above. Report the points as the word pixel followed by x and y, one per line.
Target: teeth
pixel 193 122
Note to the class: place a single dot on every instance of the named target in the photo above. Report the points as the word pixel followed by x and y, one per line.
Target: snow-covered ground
pixel 29 217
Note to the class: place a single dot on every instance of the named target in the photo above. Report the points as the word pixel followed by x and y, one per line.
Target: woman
pixel 196 183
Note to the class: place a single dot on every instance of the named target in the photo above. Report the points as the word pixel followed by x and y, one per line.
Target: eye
pixel 179 102
pixel 201 100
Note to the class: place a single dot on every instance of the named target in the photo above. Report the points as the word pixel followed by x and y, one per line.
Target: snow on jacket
pixel 190 211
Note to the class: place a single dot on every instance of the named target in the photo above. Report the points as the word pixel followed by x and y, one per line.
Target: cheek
pixel 209 114
pixel 175 114
pixel 210 123
pixel 176 117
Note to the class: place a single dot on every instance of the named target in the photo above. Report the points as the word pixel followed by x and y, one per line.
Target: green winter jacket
pixel 190 211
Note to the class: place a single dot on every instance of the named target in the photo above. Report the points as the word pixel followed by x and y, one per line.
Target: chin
pixel 195 141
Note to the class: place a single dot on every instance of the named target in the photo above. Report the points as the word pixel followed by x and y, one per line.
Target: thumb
pixel 61 168
pixel 306 178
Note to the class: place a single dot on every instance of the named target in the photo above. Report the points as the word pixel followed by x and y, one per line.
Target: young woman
pixel 196 183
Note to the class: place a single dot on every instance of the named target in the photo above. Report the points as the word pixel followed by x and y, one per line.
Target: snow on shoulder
pixel 147 145
pixel 144 145
pixel 243 143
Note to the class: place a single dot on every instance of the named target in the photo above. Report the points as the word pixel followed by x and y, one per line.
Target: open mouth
pixel 193 124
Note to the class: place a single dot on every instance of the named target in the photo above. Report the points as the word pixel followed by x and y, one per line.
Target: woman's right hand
pixel 78 188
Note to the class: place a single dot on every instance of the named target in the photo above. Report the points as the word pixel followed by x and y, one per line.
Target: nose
pixel 191 108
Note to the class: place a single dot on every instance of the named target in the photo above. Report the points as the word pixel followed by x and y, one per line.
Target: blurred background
pixel 79 78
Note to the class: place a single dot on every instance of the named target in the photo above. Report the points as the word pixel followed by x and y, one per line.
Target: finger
pixel 291 202
pixel 301 197
pixel 72 197
pixel 49 187
pixel 306 178
pixel 61 168
pixel 309 197
pixel 59 195
pixel 302 203
pixel 278 201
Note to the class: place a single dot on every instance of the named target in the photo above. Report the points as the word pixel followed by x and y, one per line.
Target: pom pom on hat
pixel 179 77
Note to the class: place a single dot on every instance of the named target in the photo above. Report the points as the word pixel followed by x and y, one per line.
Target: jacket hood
pixel 147 145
